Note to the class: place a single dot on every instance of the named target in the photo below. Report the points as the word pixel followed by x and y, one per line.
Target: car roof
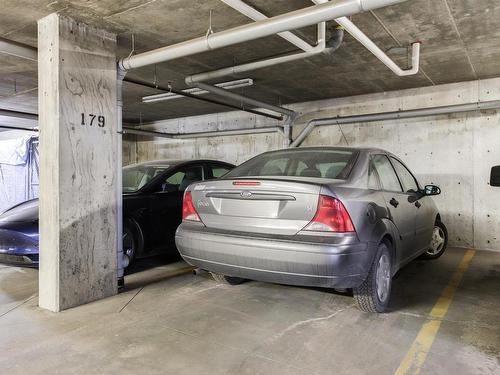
pixel 335 148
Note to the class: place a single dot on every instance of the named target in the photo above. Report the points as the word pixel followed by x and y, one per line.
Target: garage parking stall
pixel 379 124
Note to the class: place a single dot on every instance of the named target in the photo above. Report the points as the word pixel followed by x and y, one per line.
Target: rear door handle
pixel 418 204
pixel 394 202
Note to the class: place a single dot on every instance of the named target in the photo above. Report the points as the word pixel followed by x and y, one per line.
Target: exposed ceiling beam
pixel 18 114
pixel 11 48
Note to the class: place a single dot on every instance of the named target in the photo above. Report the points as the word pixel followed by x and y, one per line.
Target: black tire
pixel 130 244
pixel 229 280
pixel 367 295
pixel 436 253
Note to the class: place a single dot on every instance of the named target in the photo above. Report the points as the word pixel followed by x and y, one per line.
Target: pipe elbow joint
pixel 120 71
pixel 335 40
pixel 122 65
pixel 362 7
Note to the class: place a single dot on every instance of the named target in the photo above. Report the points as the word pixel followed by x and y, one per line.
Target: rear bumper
pixel 330 265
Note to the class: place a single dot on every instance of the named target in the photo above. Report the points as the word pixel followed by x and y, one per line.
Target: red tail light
pixel 188 211
pixel 331 216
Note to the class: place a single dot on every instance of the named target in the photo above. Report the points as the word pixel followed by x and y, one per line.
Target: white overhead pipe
pixel 350 27
pixel 217 133
pixel 259 29
pixel 238 69
pixel 394 115
pixel 147 133
pixel 9 47
pixel 254 14
pixel 381 55
pixel 361 37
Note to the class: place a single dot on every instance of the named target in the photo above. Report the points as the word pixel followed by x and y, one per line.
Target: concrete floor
pixel 172 322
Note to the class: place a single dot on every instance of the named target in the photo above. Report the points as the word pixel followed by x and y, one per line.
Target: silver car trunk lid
pixel 270 206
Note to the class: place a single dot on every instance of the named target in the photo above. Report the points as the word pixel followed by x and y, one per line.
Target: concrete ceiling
pixel 461 41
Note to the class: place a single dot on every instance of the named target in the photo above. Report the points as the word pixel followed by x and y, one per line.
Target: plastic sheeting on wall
pixel 14 151
pixel 18 171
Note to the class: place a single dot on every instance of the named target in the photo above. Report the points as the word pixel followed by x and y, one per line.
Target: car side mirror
pixel 432 190
pixel 495 176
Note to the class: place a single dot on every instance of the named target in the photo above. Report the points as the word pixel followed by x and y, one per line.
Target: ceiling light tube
pixel 231 85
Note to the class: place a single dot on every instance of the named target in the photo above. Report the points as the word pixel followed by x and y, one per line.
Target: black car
pixel 152 210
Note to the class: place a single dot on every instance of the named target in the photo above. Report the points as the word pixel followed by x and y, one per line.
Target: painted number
pixel 92 120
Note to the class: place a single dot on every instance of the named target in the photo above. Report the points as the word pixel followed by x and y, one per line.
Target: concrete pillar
pixel 78 163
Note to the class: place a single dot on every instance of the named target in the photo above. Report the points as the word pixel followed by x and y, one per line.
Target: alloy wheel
pixel 437 241
pixel 383 277
pixel 128 247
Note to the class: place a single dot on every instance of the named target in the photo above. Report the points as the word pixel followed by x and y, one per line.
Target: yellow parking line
pixel 415 358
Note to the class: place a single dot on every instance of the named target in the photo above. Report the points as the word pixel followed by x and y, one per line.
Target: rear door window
pixel 409 182
pixel 373 181
pixel 386 173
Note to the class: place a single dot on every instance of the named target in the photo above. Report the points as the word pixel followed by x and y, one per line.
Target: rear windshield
pixel 334 164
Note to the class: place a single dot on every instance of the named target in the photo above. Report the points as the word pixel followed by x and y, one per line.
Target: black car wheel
pixel 230 280
pixel 438 243
pixel 374 293
pixel 129 245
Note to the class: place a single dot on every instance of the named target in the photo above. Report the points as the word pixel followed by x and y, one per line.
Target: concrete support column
pixel 78 163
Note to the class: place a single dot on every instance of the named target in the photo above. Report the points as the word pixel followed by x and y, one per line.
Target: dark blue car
pixel 19 234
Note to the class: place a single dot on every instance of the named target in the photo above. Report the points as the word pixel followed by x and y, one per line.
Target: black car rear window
pixel 312 163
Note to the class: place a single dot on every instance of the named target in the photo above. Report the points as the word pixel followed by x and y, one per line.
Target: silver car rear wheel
pixel 374 293
pixel 383 277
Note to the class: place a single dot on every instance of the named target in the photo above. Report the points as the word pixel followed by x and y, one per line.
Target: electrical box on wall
pixel 495 176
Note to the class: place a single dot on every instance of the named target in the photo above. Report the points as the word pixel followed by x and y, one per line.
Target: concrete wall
pixel 129 145
pixel 455 152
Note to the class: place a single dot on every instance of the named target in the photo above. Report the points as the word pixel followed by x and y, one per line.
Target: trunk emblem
pixel 246 194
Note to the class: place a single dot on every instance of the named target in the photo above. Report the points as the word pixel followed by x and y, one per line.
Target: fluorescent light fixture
pixel 231 85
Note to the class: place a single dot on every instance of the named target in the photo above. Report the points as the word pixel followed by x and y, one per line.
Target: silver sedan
pixel 327 217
